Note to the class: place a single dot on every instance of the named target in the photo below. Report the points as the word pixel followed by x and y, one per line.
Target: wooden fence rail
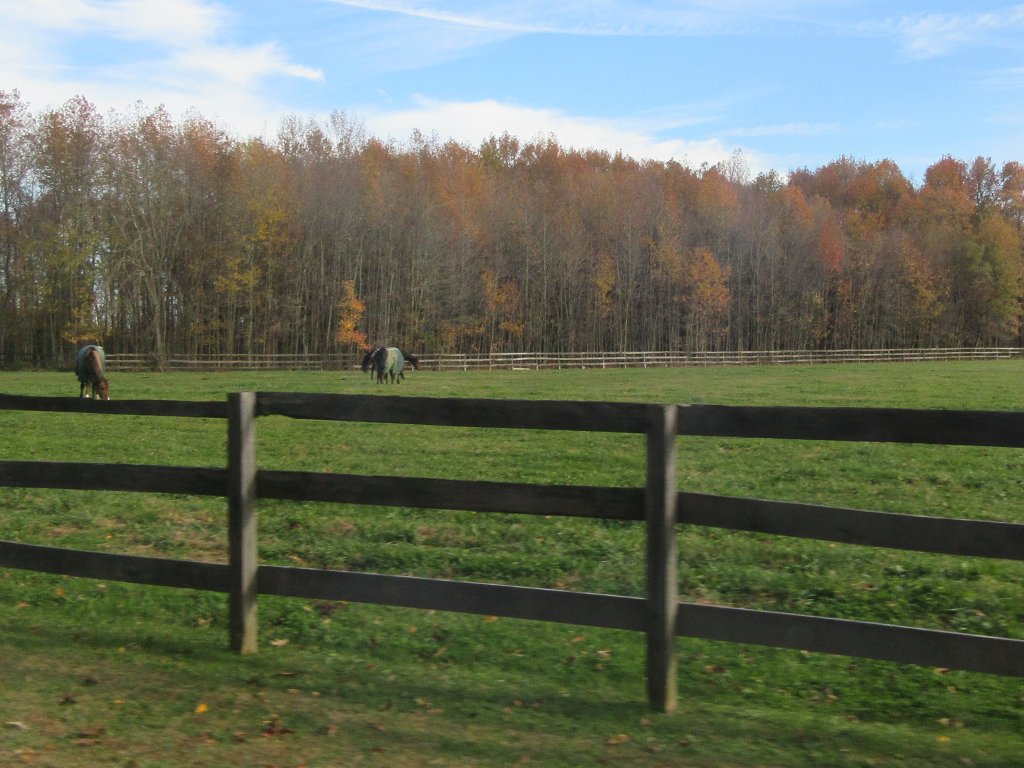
pixel 556 360
pixel 660 615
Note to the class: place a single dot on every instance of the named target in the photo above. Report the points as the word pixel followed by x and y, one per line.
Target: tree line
pixel 154 235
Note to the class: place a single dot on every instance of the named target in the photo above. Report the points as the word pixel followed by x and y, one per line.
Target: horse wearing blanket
pixel 89 369
pixel 389 361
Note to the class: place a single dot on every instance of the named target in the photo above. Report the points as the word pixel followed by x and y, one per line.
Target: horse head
pixel 367 359
pixel 414 360
pixel 379 358
pixel 102 388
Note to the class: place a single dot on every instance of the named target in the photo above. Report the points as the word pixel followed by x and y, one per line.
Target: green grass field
pixel 118 674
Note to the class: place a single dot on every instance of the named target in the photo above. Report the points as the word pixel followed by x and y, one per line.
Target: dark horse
pixel 89 369
pixel 368 360
pixel 389 361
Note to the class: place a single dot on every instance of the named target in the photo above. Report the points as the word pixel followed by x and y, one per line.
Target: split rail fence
pixel 659 504
pixel 556 360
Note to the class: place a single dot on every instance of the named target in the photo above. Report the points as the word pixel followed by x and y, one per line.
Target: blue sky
pixel 790 83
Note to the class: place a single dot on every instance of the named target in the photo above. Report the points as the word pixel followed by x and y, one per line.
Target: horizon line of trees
pixel 150 235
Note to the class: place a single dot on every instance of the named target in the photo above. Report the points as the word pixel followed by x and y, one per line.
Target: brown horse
pixel 89 369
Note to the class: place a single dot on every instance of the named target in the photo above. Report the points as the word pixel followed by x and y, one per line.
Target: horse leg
pixel 81 389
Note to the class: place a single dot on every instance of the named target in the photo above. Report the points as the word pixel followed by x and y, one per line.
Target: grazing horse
pixel 368 360
pixel 89 369
pixel 389 361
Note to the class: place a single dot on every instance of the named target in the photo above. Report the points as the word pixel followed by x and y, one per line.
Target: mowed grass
pixel 104 673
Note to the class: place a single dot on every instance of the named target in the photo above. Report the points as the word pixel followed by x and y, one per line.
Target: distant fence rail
pixel 542 360
pixel 659 504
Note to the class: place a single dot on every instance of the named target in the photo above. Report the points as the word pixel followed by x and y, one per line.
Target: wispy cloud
pixel 790 129
pixel 1004 79
pixel 934 34
pixel 601 17
pixel 472 122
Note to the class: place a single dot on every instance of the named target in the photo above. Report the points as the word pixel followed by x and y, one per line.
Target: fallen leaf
pixel 434 711
pixel 644 721
pixel 332 730
pixel 940 670
pixel 439 651
pixel 578 639
pixel 23 605
pixel 411 629
pixel 92 733
pixel 605 654
pixel 378 750
pixel 942 738
pixel 684 742
pixel 279 642
pixel 377 727
pixel 490 618
pixel 59 591
pixel 284 674
pixel 619 739
pixel 16 725
pixel 203 707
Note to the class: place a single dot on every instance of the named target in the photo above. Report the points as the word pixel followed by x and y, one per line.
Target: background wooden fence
pixel 659 504
pixel 539 360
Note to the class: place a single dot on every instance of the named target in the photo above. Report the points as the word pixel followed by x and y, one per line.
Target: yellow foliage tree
pixel 350 312
pixel 83 329
pixel 698 286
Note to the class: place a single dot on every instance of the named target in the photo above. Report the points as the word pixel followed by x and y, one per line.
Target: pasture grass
pixel 115 673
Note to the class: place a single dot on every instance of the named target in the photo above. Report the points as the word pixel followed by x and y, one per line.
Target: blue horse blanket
pixel 80 369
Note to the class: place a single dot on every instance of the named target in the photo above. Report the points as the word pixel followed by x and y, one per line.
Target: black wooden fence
pixel 660 615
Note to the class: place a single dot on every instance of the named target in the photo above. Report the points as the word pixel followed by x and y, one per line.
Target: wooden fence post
pixel 662 598
pixel 242 560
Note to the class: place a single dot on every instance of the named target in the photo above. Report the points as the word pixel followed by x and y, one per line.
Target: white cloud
pixel 472 122
pixel 174 52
